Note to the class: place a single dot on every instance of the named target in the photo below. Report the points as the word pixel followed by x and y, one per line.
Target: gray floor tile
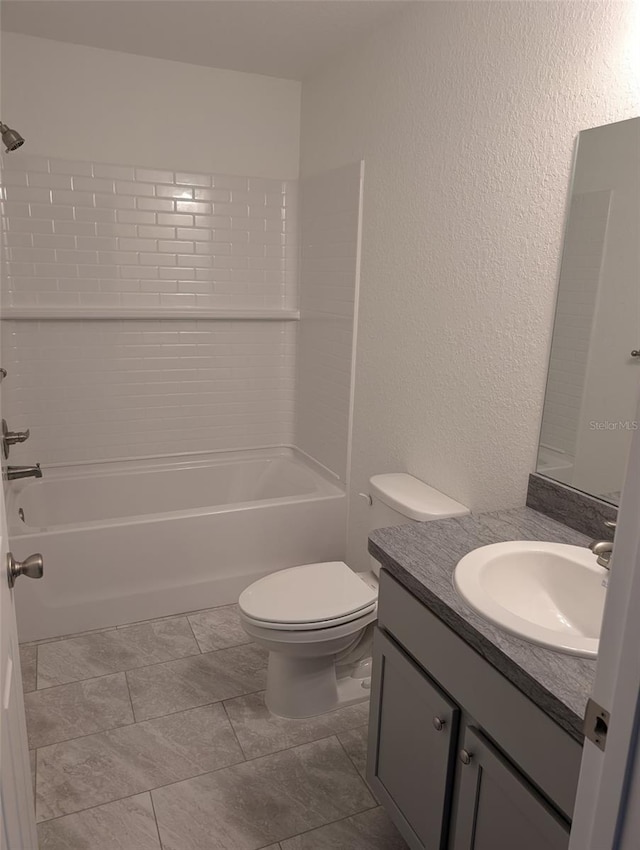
pixel 355 743
pixel 370 830
pixel 218 628
pixel 101 653
pixel 111 765
pixel 249 805
pixel 261 732
pixel 125 825
pixel 81 708
pixel 28 655
pixel 198 680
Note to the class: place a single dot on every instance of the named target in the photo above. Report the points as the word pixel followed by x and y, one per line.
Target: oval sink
pixel 548 593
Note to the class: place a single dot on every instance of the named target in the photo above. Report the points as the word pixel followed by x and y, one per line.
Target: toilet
pixel 317 620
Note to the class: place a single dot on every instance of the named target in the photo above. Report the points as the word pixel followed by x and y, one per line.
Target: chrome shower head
pixel 11 139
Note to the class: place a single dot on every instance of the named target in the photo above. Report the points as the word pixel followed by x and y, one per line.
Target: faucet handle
pixel 611 523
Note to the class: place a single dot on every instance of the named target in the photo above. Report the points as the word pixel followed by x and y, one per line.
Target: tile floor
pixel 155 736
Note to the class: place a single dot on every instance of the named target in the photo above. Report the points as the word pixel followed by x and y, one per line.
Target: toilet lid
pixel 312 593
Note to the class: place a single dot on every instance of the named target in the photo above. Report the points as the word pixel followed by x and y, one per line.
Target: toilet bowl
pixel 317 620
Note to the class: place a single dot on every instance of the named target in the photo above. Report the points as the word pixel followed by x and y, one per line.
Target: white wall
pixel 466 115
pixel 329 230
pixel 84 103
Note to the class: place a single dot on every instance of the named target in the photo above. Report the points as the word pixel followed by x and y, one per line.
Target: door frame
pixel 608 797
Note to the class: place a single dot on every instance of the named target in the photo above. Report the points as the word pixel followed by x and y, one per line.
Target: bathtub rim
pixel 330 487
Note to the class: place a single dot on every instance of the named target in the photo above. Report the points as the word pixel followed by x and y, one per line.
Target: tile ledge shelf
pixel 28 314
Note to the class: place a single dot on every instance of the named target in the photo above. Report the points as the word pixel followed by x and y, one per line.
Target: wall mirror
pixel 594 365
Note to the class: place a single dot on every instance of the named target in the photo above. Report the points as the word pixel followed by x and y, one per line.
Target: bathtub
pixel 134 540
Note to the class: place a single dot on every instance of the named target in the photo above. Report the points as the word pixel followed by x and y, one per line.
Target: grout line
pixel 133 711
pixel 194 634
pixel 230 721
pixel 155 817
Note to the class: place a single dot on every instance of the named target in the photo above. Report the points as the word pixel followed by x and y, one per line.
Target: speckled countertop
pixel 423 557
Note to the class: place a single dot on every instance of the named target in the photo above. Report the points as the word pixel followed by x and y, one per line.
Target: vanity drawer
pixel 538 746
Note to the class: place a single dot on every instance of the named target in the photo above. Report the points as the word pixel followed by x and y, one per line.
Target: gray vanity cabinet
pixel 460 758
pixel 415 759
pixel 498 809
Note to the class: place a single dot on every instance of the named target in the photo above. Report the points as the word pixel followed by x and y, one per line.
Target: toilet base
pixel 306 687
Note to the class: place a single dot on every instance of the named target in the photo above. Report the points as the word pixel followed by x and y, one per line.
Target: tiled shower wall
pixel 108 238
pixel 89 234
pixel 330 215
pixel 107 389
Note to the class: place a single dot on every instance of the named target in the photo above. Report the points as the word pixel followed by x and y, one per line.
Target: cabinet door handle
pixel 465 756
pixel 439 723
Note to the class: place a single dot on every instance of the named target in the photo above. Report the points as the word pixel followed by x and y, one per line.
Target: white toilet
pixel 317 620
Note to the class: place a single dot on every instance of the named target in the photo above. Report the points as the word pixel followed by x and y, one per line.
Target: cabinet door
pixel 412 742
pixel 498 809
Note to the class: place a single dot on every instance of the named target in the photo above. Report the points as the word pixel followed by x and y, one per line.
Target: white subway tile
pixel 191 179
pixel 124 187
pixel 114 172
pixel 149 175
pixel 76 256
pixel 49 181
pixel 19 193
pixel 46 240
pixel 156 232
pixel 76 228
pixel 184 193
pixel 29 225
pixel 175 219
pixel 125 244
pixel 197 234
pixel 115 202
pixel 93 184
pixel 198 207
pixel 176 246
pixel 94 215
pixel 135 217
pixel 155 204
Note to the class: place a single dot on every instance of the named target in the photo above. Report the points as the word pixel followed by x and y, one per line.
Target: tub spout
pixel 14 472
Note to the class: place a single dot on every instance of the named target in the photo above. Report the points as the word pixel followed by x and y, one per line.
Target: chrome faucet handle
pixel 611 523
pixel 10 438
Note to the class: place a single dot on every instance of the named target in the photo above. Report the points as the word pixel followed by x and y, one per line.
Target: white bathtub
pixel 126 541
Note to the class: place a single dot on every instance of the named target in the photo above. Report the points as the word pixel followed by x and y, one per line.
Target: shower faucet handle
pixel 10 438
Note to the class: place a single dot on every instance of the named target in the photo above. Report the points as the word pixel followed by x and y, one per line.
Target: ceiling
pixel 279 38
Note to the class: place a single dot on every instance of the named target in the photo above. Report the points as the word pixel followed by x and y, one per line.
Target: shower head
pixel 11 139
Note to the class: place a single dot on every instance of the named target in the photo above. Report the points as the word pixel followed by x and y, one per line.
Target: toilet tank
pixel 398 498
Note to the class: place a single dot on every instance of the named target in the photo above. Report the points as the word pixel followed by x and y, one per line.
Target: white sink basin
pixel 548 593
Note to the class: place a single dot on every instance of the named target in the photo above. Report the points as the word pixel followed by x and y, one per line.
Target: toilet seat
pixel 312 596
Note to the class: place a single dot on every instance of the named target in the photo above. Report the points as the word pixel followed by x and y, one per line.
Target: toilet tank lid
pixel 413 498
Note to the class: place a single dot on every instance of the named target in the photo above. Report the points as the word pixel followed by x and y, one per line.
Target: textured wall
pixel 466 115
pixel 85 103
pixel 329 221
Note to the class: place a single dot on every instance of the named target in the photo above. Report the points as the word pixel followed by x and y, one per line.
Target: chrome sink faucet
pixel 603 548
pixel 15 472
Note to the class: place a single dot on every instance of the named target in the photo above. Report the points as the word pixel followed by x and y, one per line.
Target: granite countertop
pixel 422 557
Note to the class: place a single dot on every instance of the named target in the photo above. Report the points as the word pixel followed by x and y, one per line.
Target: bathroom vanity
pixel 475 735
